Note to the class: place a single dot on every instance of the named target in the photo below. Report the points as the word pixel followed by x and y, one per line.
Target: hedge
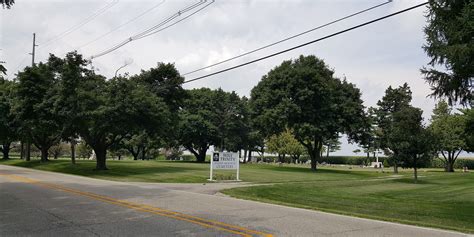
pixel 362 160
pixel 459 164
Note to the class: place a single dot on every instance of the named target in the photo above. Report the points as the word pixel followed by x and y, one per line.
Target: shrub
pixel 459 164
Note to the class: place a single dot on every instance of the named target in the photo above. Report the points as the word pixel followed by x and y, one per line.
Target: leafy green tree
pixel 83 150
pixel 7 3
pixel 252 139
pixel 72 72
pixel 142 145
pixel 449 131
pixel 469 129
pixel 35 107
pixel 450 44
pixel 284 144
pixel 109 109
pixel 58 150
pixel 231 127
pixel 3 70
pixel 303 95
pixel 8 124
pixel 393 101
pixel 413 143
pixel 165 81
pixel 210 117
pixel 275 144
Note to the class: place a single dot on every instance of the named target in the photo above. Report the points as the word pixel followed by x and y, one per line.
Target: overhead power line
pixel 288 38
pixel 124 24
pixel 307 43
pixel 81 23
pixel 159 27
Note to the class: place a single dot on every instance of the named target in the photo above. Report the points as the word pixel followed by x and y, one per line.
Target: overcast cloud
pixel 387 53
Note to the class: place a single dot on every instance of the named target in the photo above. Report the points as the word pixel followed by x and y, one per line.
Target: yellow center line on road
pixel 149 209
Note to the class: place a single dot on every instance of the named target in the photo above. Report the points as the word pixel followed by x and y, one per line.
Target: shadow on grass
pixel 86 168
pixel 319 170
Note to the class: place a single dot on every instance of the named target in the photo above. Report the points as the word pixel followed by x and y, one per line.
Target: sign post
pixel 224 161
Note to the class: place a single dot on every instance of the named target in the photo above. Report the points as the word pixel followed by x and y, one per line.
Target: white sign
pixel 225 161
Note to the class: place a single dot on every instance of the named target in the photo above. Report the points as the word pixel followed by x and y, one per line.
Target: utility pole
pixel 33 51
pixel 28 143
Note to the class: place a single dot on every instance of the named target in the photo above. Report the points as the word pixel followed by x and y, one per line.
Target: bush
pixel 459 164
pixel 342 160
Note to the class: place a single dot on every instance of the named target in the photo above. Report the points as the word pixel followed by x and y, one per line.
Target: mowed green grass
pixel 442 200
pixel 188 172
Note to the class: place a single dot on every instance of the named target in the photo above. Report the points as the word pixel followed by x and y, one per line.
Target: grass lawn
pixel 442 200
pixel 188 172
pixel 439 200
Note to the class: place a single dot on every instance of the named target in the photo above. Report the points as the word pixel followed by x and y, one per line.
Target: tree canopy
pixel 393 101
pixel 9 127
pixel 36 105
pixel 303 95
pixel 107 107
pixel 7 3
pixel 450 44
pixel 449 130
pixel 411 141
pixel 210 117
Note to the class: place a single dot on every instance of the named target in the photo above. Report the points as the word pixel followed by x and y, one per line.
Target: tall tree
pixel 303 95
pixel 210 117
pixel 72 72
pixel 7 3
pixel 284 144
pixel 450 44
pixel 8 124
pixel 36 93
pixel 410 139
pixel 393 101
pixel 449 131
pixel 370 141
pixel 109 109
pixel 164 81
pixel 252 139
pixel 469 129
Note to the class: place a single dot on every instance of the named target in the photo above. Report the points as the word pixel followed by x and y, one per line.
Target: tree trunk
pixel 44 153
pixel 415 168
pixel 416 174
pixel 249 157
pixel 313 162
pixel 143 156
pixel 6 151
pixel 315 156
pixel 101 155
pixel 450 162
pixel 449 166
pixel 327 152
pixel 73 152
pixel 22 150
pixel 133 152
pixel 201 157
pixel 245 156
pixel 28 151
pixel 395 168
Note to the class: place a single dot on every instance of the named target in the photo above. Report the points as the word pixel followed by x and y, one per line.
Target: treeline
pixel 298 108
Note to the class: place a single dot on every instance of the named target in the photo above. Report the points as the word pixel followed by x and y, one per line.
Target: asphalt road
pixel 38 203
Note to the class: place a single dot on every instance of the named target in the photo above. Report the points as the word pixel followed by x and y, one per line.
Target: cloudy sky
pixel 387 53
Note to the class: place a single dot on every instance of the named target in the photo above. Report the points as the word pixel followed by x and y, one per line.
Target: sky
pixel 386 53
